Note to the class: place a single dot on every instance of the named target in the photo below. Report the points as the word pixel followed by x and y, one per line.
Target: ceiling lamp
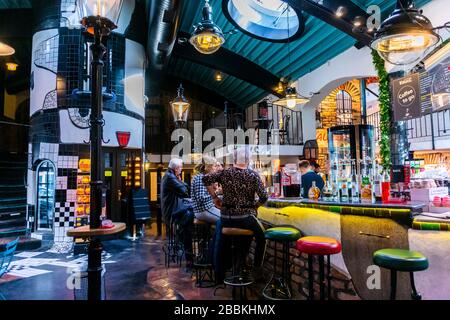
pixel 406 36
pixel 180 107
pixel 207 37
pixel 6 50
pixel 218 76
pixel 11 66
pixel 291 99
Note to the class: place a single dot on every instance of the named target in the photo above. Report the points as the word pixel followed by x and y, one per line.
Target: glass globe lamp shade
pixel 106 12
pixel 207 37
pixel 405 37
pixel 180 107
pixel 6 50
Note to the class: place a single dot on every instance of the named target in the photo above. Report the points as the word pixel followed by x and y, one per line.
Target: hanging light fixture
pixel 218 76
pixel 11 66
pixel 406 36
pixel 291 98
pixel 6 50
pixel 180 107
pixel 207 37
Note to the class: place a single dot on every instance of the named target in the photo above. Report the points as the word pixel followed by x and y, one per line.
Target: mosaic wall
pixel 60 119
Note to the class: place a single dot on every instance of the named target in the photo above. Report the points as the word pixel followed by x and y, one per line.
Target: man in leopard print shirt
pixel 240 185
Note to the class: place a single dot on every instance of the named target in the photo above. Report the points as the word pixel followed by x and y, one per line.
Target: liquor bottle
pixel 355 188
pixel 327 191
pixel 314 192
pixel 386 187
pixel 343 189
pixel 377 184
pixel 277 184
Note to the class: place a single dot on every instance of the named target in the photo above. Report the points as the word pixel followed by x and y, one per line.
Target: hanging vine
pixel 385 111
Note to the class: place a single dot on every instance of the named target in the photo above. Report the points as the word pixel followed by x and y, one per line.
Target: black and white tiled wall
pixel 59 68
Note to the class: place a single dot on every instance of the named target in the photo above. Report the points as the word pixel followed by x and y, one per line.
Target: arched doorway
pixel 45 197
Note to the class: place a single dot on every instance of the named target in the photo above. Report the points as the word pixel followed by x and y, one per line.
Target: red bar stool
pixel 319 246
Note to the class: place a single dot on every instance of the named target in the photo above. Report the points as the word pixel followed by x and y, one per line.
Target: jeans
pixel 210 216
pixel 250 223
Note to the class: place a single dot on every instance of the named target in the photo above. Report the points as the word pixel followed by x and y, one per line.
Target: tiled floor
pixel 135 271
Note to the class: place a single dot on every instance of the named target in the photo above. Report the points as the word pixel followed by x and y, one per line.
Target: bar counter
pixel 364 228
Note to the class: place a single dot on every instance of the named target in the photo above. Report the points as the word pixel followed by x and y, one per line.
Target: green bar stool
pixel 400 260
pixel 279 286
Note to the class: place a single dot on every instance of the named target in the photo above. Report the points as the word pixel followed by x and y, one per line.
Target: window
pixel 344 108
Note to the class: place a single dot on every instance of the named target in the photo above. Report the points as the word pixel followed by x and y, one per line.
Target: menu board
pixel 435 86
pixel 419 94
pixel 406 97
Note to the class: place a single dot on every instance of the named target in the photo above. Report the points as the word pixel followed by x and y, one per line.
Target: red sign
pixel 123 138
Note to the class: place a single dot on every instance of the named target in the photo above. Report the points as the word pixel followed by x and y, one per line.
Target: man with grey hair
pixel 174 204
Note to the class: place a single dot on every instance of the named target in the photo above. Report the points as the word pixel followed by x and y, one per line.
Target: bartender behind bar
pixel 308 176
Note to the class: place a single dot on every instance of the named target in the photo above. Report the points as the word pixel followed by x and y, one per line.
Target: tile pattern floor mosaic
pixel 134 271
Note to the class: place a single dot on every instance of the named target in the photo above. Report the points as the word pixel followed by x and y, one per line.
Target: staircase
pixel 13 201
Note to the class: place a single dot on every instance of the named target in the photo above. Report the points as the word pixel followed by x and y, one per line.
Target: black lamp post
pixel 99 17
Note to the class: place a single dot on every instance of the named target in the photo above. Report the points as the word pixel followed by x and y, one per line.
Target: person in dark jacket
pixel 308 176
pixel 175 204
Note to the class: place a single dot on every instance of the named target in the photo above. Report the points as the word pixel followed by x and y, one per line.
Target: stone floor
pixel 135 271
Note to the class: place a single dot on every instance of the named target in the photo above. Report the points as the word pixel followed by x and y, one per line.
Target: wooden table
pixel 87 232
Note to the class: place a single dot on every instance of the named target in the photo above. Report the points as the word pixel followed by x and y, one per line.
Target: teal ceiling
pixel 15 4
pixel 319 43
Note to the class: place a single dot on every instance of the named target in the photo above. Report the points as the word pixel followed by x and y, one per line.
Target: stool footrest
pixel 238 281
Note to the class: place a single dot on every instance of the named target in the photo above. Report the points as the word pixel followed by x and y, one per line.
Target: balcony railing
pixel 433 125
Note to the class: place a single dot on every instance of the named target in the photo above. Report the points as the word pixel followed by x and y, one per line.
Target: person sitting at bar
pixel 204 208
pixel 175 206
pixel 239 206
pixel 308 176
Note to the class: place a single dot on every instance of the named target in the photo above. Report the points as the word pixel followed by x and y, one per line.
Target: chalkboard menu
pixel 419 94
pixel 406 97
pixel 435 87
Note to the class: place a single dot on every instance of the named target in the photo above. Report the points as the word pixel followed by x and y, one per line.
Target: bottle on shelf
pixel 327 191
pixel 385 187
pixel 355 187
pixel 314 192
pixel 277 184
pixel 343 189
pixel 377 178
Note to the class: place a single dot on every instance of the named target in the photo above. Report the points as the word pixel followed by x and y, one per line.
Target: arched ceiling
pixel 319 43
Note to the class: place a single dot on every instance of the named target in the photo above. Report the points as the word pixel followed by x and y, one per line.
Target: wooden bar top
pixel 87 232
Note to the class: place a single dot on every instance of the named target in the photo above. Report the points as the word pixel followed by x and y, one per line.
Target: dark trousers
pixel 220 253
pixel 185 226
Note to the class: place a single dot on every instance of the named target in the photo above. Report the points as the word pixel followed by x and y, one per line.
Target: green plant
pixel 385 111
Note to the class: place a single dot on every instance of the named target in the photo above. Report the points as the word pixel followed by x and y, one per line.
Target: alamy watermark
pixel 261 143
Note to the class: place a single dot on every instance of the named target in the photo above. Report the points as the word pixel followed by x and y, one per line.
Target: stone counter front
pixel 362 231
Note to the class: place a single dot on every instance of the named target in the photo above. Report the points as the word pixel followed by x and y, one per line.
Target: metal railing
pixel 433 125
pixel 284 125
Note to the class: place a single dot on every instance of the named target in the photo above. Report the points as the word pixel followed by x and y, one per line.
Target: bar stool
pixel 279 285
pixel 173 249
pixel 238 279
pixel 200 247
pixel 319 246
pixel 400 260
